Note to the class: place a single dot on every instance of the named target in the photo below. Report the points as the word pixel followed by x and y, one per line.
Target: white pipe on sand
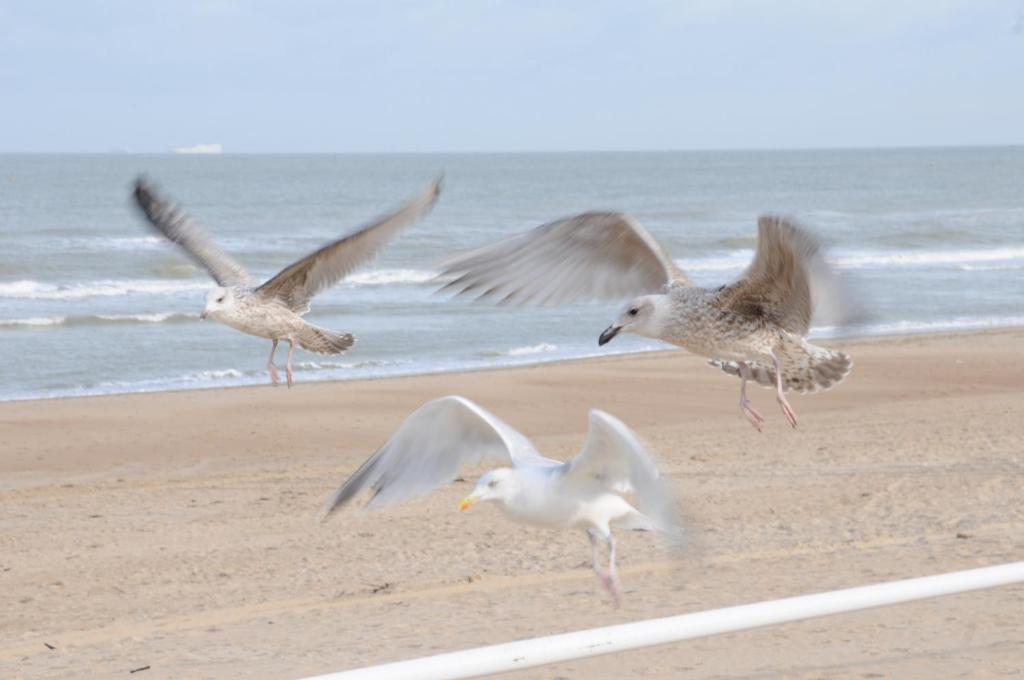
pixel 511 656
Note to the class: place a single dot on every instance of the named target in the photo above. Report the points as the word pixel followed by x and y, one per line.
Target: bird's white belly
pixel 551 512
pixel 736 344
pixel 272 324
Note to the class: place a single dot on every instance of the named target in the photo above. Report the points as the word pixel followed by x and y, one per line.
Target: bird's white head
pixel 643 316
pixel 218 302
pixel 499 485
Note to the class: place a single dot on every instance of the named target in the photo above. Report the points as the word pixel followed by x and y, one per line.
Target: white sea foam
pixel 926 258
pixel 156 384
pixel 539 348
pixel 37 290
pixel 329 365
pixel 380 277
pixel 991 267
pixel 733 260
pixel 87 319
pixel 960 323
pixel 213 375
pixel 106 243
pixel 34 321
pixel 965 259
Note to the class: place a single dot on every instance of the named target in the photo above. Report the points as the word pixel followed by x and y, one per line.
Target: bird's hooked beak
pixel 468 502
pixel 608 334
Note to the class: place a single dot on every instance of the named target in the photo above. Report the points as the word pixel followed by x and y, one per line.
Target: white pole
pixel 512 656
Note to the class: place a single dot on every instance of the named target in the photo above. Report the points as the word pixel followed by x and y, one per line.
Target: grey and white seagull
pixel 586 493
pixel 274 309
pixel 755 328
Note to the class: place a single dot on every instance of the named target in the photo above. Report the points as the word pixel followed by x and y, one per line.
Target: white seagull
pixel 274 309
pixel 755 328
pixel 441 436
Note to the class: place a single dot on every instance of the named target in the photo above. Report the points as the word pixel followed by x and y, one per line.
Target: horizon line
pixel 171 152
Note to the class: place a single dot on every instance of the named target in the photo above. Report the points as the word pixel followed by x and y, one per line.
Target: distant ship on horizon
pixel 200 149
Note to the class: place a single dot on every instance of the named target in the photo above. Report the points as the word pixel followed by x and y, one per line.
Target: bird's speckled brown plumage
pixel 274 310
pixel 747 327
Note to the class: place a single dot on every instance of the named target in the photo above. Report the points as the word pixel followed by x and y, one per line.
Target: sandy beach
pixel 177 532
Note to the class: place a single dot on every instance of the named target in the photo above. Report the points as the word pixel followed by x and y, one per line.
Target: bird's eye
pixel 491 484
pixel 634 311
pixel 220 299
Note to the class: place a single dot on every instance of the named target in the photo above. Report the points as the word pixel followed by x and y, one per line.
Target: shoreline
pixel 827 341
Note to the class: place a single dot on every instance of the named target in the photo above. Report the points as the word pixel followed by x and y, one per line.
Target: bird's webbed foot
pixel 787 410
pixel 751 413
pixel 611 583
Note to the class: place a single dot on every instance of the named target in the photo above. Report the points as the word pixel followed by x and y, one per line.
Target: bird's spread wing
pixel 428 449
pixel 595 255
pixel 296 284
pixel 777 287
pixel 614 457
pixel 179 228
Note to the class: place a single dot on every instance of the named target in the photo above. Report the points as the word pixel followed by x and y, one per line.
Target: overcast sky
pixel 327 76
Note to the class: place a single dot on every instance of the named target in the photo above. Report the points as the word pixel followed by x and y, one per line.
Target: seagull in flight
pixel 274 309
pixel 755 328
pixel 586 493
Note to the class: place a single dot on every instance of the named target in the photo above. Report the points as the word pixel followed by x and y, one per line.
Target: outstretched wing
pixel 296 284
pixel 428 449
pixel 179 228
pixel 777 287
pixel 614 457
pixel 595 255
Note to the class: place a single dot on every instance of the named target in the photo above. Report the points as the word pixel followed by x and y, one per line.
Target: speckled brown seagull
pixel 755 328
pixel 274 309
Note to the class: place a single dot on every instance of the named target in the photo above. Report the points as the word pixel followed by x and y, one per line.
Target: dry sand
pixel 177 531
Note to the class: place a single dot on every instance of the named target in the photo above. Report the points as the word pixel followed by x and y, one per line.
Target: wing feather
pixel 615 457
pixel 300 281
pixel 594 255
pixel 777 287
pixel 180 229
pixel 429 448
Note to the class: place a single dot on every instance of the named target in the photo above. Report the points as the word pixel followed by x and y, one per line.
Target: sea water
pixel 93 302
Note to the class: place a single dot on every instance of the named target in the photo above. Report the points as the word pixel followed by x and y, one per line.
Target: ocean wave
pixel 158 384
pixel 908 327
pixel 37 290
pixel 737 260
pixel 526 350
pixel 865 260
pixel 990 267
pixel 380 277
pixel 329 365
pixel 540 348
pixel 98 319
pixel 34 321
pixel 107 243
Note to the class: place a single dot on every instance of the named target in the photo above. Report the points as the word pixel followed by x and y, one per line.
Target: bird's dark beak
pixel 202 317
pixel 608 334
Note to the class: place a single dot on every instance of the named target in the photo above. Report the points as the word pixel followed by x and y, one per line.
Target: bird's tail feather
pixel 323 341
pixel 807 368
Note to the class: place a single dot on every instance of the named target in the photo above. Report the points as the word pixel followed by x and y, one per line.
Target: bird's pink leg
pixel 755 418
pixel 609 580
pixel 612 579
pixel 270 364
pixel 288 364
pixel 787 410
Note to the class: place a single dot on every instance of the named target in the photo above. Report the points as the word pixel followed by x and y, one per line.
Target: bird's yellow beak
pixel 467 502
